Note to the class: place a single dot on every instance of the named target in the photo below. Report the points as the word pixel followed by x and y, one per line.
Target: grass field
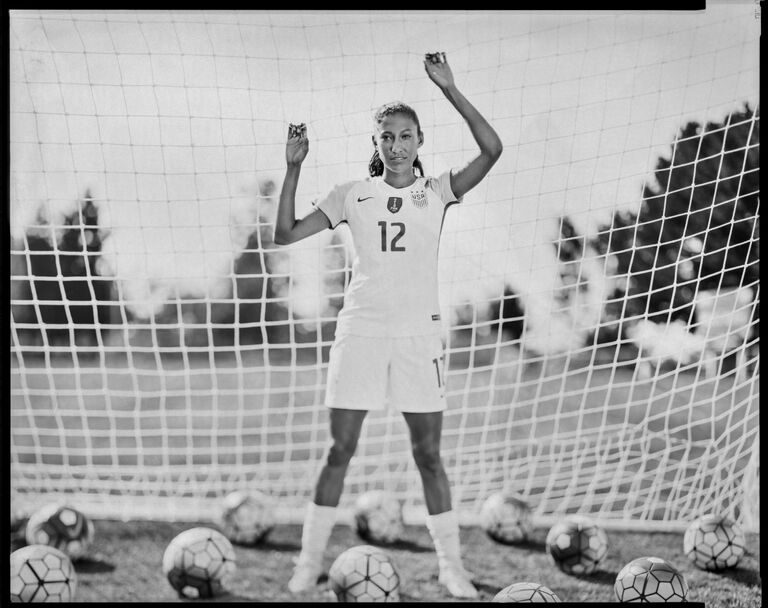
pixel 124 565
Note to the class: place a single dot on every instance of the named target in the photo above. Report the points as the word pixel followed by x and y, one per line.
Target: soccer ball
pixel 714 542
pixel 247 517
pixel 199 563
pixel 61 526
pixel 505 518
pixel 526 593
pixel 364 574
pixel 378 517
pixel 650 579
pixel 577 545
pixel 41 573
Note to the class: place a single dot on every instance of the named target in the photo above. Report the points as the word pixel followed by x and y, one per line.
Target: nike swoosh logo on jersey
pixel 360 200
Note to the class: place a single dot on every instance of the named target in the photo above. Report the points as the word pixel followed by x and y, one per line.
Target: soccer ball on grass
pixel 378 517
pixel 199 563
pixel 364 574
pixel 714 542
pixel 650 579
pixel 577 545
pixel 61 526
pixel 506 518
pixel 41 573
pixel 247 517
pixel 526 593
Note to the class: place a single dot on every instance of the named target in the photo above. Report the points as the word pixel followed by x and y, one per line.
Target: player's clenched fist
pixel 297 146
pixel 438 69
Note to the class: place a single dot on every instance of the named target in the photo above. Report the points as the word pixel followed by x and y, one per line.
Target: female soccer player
pixel 388 335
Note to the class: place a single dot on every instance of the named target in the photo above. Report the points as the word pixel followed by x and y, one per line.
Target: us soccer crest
pixel 419 198
pixel 394 203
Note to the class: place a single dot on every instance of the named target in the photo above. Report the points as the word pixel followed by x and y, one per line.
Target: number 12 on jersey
pixel 386 244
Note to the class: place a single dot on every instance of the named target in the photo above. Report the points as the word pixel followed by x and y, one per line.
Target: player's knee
pixel 341 452
pixel 427 459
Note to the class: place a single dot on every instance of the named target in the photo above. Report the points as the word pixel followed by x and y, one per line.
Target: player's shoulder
pixel 362 188
pixel 349 188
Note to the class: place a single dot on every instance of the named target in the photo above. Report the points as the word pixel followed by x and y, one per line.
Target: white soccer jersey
pixel 396 233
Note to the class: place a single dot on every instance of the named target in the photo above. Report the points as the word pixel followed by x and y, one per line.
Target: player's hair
pixel 376 165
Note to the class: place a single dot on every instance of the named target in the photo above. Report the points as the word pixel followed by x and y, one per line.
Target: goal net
pixel 599 287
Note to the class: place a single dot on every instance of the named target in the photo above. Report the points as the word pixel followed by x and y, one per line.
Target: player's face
pixel 397 139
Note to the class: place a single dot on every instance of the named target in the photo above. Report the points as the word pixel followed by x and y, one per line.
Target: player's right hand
pixel 297 146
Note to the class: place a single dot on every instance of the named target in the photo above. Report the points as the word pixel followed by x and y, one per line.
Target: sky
pixel 172 119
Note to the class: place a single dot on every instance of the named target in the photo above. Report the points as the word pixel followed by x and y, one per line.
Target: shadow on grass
pixel 402 544
pixel 530 544
pixel 604 577
pixel 270 545
pixel 224 597
pixel 745 576
pixel 92 565
pixel 491 590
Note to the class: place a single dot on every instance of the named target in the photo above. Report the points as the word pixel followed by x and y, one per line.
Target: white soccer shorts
pixel 365 373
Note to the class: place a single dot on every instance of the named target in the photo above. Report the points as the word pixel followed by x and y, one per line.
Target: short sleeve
pixel 333 204
pixel 442 186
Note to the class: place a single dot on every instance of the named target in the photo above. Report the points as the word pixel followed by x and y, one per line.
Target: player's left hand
pixel 297 146
pixel 438 69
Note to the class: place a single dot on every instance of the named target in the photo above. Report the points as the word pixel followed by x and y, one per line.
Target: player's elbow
pixel 496 149
pixel 493 151
pixel 281 237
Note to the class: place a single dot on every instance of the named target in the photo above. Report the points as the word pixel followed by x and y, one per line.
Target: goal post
pixel 600 287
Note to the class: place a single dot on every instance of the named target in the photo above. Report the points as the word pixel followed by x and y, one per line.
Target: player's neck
pixel 398 180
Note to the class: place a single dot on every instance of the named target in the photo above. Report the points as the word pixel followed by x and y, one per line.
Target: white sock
pixel 318 524
pixel 444 529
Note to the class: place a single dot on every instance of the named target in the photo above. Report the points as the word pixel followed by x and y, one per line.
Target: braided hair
pixel 376 165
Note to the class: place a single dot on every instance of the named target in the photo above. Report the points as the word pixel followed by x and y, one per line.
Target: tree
pixel 510 313
pixel 697 227
pixel 65 281
pixel 475 328
pixel 249 313
pixel 571 249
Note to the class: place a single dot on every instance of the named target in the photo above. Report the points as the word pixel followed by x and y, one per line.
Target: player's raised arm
pixel 467 177
pixel 287 228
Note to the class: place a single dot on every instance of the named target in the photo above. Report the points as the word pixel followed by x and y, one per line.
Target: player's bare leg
pixel 321 513
pixel 345 433
pixel 426 429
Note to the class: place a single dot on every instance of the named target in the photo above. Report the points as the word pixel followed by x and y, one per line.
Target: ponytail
pixel 417 165
pixel 376 165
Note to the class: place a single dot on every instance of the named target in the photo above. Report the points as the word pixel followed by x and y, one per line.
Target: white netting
pixel 600 286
